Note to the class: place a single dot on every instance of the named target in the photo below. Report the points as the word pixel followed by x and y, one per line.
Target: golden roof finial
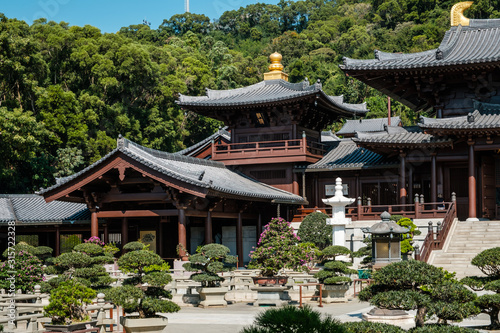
pixel 275 68
pixel 457 14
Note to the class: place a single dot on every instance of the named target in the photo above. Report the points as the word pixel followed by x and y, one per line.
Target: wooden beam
pixel 134 197
pixel 138 213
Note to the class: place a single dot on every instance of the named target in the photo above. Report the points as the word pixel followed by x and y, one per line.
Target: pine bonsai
pixel 144 292
pixel 208 261
pixel 333 271
pixel 488 261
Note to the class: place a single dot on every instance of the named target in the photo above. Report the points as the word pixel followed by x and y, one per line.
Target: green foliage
pixel 67 301
pixel 134 246
pixel 406 243
pixel 416 285
pixel 290 319
pixel 209 260
pixel 335 272
pixel 277 250
pixel 314 229
pixel 27 270
pixel 89 249
pixel 137 296
pixel 488 261
pixel 440 328
pixel 371 327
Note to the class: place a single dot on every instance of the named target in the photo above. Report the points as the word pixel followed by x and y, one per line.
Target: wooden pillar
pixel 259 227
pixel 295 184
pixel 239 239
pixel 304 195
pixel 124 231
pixel 160 238
pixel 181 228
pixel 316 190
pixel 410 182
pixel 58 241
pixel 94 225
pixel 402 179
pixel 106 233
pixel 433 178
pixel 472 185
pixel 357 190
pixel 208 228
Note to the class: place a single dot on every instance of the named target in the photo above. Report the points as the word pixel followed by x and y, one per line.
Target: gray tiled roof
pixel 190 151
pixel 404 137
pixel 346 155
pixel 478 43
pixel 328 137
pixel 32 208
pixel 207 174
pixel 367 125
pixel 267 92
pixel 486 116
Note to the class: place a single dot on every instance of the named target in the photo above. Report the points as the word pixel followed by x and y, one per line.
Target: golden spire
pixel 457 14
pixel 275 68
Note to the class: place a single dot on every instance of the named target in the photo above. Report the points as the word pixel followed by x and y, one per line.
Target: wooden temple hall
pixel 272 158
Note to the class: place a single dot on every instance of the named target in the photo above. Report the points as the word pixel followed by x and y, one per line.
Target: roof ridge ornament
pixel 275 68
pixel 457 14
pixel 120 142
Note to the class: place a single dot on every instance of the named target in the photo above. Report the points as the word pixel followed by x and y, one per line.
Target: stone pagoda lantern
pixel 386 241
pixel 338 220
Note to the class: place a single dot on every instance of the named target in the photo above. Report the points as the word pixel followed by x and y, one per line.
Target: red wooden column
pixel 106 233
pixel 295 186
pixel 239 239
pixel 181 226
pixel 433 178
pixel 58 241
pixel 124 231
pixel 402 179
pixel 472 185
pixel 94 225
pixel 259 227
pixel 208 228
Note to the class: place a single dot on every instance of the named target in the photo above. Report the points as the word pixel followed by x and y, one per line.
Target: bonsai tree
pixel 314 229
pixel 28 272
pixel 67 303
pixel 416 285
pixel 333 271
pixel 42 252
pixel 277 249
pixel 84 264
pixel 208 261
pixel 407 242
pixel 488 261
pixel 144 291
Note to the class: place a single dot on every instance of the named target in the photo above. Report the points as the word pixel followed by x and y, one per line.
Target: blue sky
pixel 111 15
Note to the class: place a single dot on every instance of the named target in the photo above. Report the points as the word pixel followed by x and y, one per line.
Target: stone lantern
pixel 338 220
pixel 386 241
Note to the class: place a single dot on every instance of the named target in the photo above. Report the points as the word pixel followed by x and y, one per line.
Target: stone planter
pixel 334 293
pixel 143 325
pixel 213 296
pixel 70 328
pixel 270 295
pixel 270 280
pixel 392 317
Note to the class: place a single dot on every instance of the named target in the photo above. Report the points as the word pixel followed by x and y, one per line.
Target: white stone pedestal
pixel 270 295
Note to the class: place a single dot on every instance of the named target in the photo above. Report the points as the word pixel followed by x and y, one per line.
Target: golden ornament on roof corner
pixel 457 14
pixel 275 68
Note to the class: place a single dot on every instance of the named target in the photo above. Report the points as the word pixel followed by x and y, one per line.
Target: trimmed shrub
pixel 314 229
pixel 371 327
pixel 438 328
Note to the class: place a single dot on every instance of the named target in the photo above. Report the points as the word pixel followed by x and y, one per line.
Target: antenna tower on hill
pixel 186 6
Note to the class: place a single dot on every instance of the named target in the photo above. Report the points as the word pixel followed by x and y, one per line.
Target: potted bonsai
pixel 277 250
pixel 143 293
pixel 207 262
pixel 334 274
pixel 67 307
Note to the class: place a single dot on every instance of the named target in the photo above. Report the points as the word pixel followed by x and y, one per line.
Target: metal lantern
pixel 386 241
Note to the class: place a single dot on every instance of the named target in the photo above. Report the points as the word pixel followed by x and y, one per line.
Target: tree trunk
pixel 495 323
pixel 420 317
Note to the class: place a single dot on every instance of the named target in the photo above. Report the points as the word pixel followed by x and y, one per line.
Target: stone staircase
pixel 465 241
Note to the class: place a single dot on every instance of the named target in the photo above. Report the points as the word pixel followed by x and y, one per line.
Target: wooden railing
pixel 435 240
pixel 267 148
pixel 373 212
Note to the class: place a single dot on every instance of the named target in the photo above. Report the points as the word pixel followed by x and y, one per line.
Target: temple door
pixel 488 188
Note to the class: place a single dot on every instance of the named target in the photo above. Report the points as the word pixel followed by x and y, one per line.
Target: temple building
pixel 272 157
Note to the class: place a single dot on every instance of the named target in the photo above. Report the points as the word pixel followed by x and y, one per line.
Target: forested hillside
pixel 66 92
